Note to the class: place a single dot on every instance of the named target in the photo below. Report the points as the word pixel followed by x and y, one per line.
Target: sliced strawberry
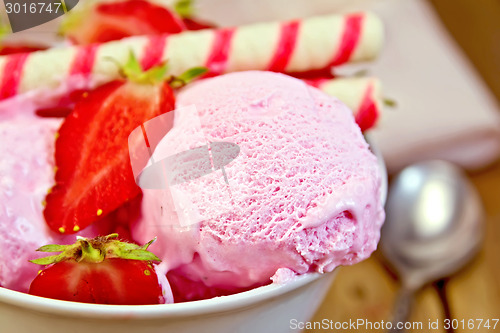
pixel 100 270
pixel 103 22
pixel 120 220
pixel 94 175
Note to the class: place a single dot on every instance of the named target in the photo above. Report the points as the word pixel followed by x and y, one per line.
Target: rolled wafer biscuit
pixel 292 46
pixel 362 95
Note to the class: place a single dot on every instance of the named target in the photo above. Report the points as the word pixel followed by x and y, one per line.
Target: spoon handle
pixel 440 286
pixel 402 309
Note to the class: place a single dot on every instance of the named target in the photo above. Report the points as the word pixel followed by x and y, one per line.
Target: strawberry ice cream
pixel 303 194
pixel 26 175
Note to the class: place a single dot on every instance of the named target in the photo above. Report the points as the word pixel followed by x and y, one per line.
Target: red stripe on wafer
pixel 285 47
pixel 153 52
pixel 84 61
pixel 350 38
pixel 317 82
pixel 368 112
pixel 12 74
pixel 313 74
pixel 219 55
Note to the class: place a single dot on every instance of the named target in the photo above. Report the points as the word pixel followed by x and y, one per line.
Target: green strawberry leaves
pixel 132 70
pixel 96 250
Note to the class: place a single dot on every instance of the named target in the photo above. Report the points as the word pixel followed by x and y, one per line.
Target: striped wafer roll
pixel 292 46
pixel 362 95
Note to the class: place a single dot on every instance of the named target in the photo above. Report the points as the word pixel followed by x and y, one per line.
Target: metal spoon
pixel 433 227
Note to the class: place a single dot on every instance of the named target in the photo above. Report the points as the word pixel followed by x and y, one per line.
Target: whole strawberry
pixel 93 171
pixel 101 270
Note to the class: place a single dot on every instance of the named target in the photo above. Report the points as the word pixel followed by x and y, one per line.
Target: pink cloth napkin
pixel 443 108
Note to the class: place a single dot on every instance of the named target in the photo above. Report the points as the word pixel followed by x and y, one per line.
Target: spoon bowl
pixel 433 226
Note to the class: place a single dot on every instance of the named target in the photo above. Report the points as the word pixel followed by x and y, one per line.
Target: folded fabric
pixel 443 109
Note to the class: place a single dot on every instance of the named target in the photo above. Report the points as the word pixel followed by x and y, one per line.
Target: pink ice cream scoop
pixel 302 195
pixel 26 174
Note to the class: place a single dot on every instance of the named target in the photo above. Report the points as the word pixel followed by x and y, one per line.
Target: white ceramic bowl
pixel 265 309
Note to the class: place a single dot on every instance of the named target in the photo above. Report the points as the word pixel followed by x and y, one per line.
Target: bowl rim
pixel 186 309
pixel 194 308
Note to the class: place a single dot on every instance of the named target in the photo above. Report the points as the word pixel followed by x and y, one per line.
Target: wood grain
pixel 475 25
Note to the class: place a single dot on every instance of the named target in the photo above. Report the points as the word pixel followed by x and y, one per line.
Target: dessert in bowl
pixel 303 189
pixel 264 309
pixel 302 195
pixel 294 294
